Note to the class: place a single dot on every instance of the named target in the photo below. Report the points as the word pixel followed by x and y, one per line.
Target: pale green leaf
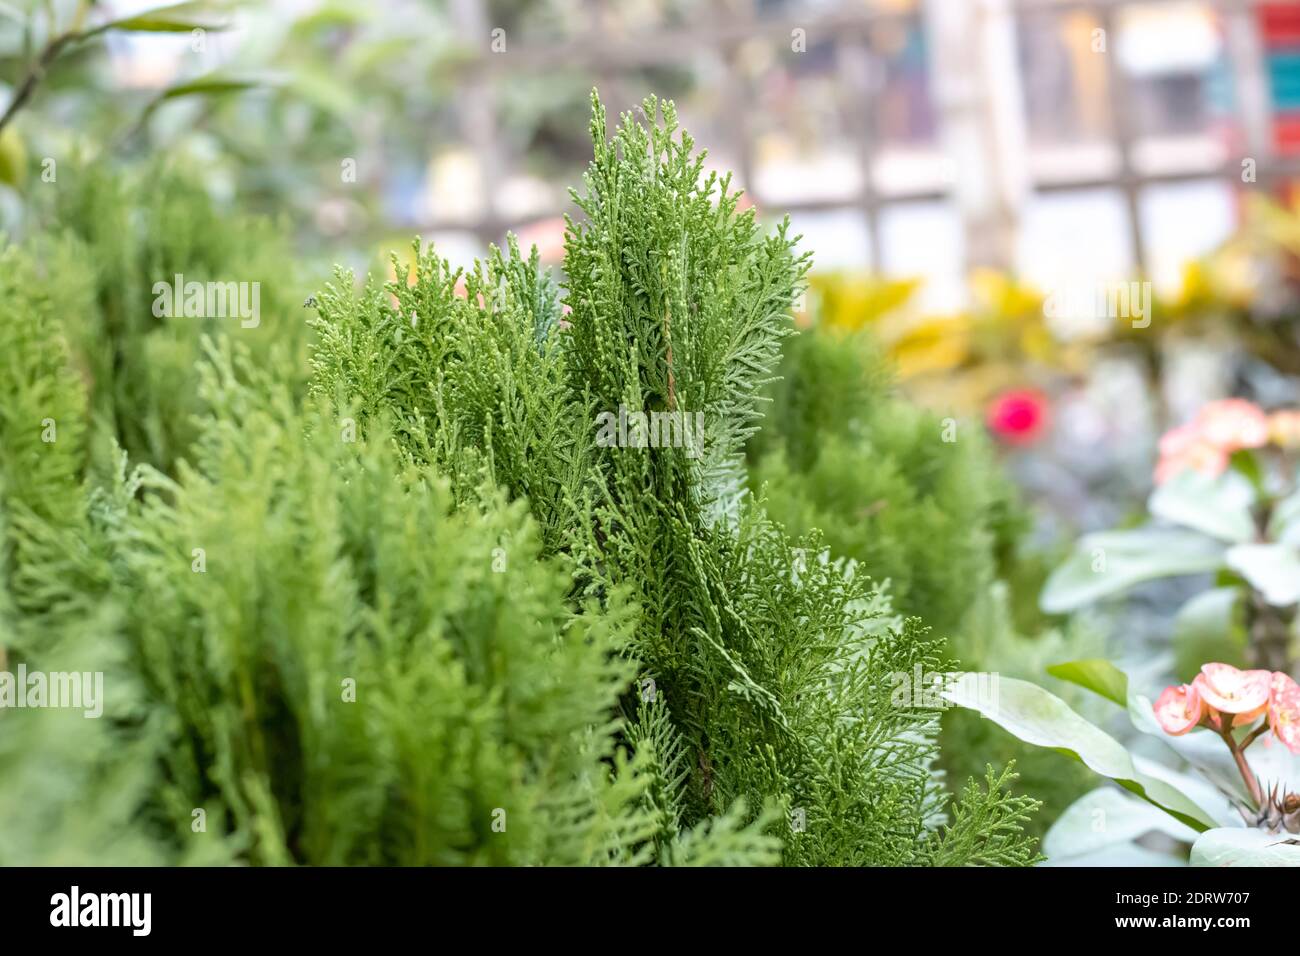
pixel 1107 817
pixel 1119 854
pixel 1039 717
pixel 1272 569
pixel 1229 846
pixel 1110 562
pixel 1217 505
pixel 1195 785
pixel 1284 524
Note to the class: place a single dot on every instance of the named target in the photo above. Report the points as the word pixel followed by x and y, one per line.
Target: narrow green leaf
pixel 173 18
pixel 209 85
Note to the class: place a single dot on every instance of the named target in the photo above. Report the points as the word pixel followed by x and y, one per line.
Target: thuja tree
pixel 309 655
pixel 365 681
pixel 765 669
pixel 440 613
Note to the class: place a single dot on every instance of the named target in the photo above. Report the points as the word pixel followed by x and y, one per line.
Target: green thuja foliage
pixel 72 786
pixel 492 592
pixel 354 675
pixel 226 608
pixel 765 667
pixel 475 380
pixel 43 434
pixel 936 518
pixel 844 454
pixel 318 660
pixel 124 234
pixel 308 654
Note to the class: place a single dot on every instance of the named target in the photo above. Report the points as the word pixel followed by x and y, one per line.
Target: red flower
pixel 1018 417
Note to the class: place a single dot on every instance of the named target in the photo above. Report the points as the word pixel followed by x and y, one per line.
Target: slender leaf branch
pixel 27 86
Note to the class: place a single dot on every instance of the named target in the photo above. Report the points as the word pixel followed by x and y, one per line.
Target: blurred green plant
pixel 115 236
pixel 915 498
pixel 53 36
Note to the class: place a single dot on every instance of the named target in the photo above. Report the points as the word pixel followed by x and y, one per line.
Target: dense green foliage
pixel 773 659
pixel 424 613
pixel 117 235
pixel 915 498
pixel 918 500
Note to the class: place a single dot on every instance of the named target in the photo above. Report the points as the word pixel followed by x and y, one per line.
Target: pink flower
pixel 1018 417
pixel 1177 441
pixel 1185 447
pixel 1284 711
pixel 1228 690
pixel 1232 424
pixel 1206 444
pixel 1179 709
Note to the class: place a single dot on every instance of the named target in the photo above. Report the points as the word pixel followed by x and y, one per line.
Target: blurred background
pixel 906 138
